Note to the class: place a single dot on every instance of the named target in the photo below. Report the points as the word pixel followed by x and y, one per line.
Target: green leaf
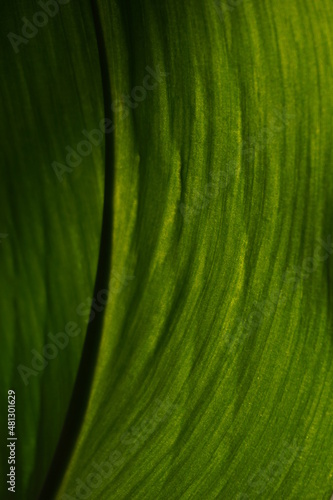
pixel 201 226
pixel 51 90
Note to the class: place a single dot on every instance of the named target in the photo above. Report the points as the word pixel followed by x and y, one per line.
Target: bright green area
pixel 214 375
